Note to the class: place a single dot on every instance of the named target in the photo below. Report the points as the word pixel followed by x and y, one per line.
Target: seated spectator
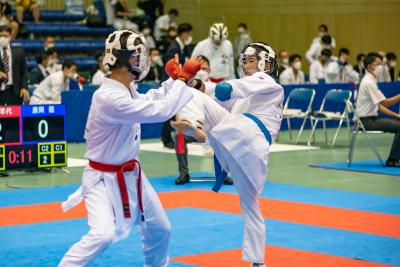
pixel 313 53
pixel 53 64
pixel 50 89
pixel 150 43
pixel 123 17
pixel 39 72
pixel 340 71
pixel 164 23
pixel 283 57
pixel 323 30
pixel 384 76
pixel 6 18
pixel 391 64
pixel 101 72
pixel 13 71
pixel 317 68
pixel 293 75
pixel 156 68
pixel 359 67
pixel 49 42
pixel 23 5
pixel 371 101
pixel 242 39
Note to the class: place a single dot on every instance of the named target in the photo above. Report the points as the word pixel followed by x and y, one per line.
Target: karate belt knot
pixel 120 170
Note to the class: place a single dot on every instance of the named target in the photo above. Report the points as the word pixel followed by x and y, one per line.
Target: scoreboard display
pixel 33 137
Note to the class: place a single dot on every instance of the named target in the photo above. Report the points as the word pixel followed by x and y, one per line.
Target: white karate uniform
pixel 50 89
pixel 288 77
pixel 317 71
pixel 318 39
pixel 221 58
pixel 340 74
pixel 241 147
pixel 163 22
pixel 113 137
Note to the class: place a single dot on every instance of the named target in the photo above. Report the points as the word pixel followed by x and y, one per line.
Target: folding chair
pixel 336 97
pixel 359 126
pixel 304 95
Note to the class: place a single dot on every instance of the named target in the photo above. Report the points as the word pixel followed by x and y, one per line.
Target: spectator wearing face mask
pixel 53 64
pixel 317 68
pixel 150 43
pixel 101 72
pixel 293 74
pixel 49 42
pixel 391 64
pixel 323 30
pixel 371 102
pixel 359 67
pixel 156 67
pixel 242 39
pixel 180 45
pixel 340 71
pixel 313 53
pixel 164 23
pixel 50 89
pixel 384 75
pixel 39 72
pixel 6 18
pixel 283 57
pixel 13 71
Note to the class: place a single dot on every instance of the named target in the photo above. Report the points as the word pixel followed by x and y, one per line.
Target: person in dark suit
pixel 13 73
pixel 359 67
pixel 39 72
pixel 178 46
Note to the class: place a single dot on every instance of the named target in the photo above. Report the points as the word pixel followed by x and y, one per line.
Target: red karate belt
pixel 120 169
pixel 216 80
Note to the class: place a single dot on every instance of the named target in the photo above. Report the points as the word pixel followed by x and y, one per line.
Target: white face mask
pixel 241 30
pixel 71 75
pixel 202 75
pixel 157 60
pixel 378 71
pixel 392 64
pixel 321 34
pixel 4 41
pixel 146 31
pixel 297 65
pixel 189 41
pixel 50 45
pixel 285 61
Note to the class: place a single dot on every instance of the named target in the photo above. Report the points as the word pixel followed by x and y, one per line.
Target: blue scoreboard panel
pixel 32 137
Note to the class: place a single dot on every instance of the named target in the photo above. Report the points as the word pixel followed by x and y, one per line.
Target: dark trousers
pixel 182 152
pixel 166 132
pixel 9 98
pixel 387 126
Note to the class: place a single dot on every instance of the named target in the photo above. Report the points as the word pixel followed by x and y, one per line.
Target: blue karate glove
pixel 223 91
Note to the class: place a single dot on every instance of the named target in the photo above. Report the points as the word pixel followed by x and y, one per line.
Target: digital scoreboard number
pixel 32 137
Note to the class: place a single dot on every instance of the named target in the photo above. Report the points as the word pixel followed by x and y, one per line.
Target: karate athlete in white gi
pixel 116 192
pixel 242 136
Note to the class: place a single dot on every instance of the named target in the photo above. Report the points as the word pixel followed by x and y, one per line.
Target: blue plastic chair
pixel 337 98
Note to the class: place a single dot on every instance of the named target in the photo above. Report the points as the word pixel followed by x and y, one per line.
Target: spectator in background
pixel 283 57
pixel 53 64
pixel 6 18
pixel 315 50
pixel 31 5
pixel 340 71
pixel 317 68
pixel 39 72
pixel 359 67
pixel 242 39
pixel 293 75
pixel 156 67
pixel 384 75
pixel 371 102
pixel 13 71
pixel 164 23
pixel 150 7
pixel 323 30
pixel 101 71
pixel 123 17
pixel 146 31
pixel 391 64
pixel 218 49
pixel 49 42
pixel 50 89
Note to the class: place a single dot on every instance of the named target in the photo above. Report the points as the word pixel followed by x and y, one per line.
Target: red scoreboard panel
pixel 32 136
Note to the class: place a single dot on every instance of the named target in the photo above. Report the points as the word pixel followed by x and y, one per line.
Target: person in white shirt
pixel 314 51
pixel 117 193
pixel 164 23
pixel 50 89
pixel 317 68
pixel 218 49
pixel 150 43
pixel 371 101
pixel 323 30
pixel 101 72
pixel 53 64
pixel 283 57
pixel 340 71
pixel 293 74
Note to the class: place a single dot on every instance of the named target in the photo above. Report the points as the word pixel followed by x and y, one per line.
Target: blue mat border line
pixel 321 166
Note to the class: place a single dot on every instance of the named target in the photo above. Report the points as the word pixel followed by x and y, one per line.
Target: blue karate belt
pixel 221 174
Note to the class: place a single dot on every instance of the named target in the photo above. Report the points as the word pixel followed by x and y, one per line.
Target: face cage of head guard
pixel 262 58
pixel 140 67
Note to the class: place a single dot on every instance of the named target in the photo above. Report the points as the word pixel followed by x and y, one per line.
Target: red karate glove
pixel 172 67
pixel 189 70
